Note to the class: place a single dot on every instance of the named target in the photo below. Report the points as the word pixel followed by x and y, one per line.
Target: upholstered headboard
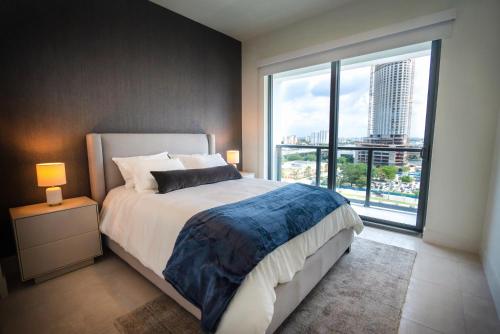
pixel 102 147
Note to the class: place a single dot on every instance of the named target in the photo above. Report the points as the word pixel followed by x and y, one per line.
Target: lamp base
pixel 54 196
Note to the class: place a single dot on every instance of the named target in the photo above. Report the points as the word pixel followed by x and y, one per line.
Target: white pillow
pixel 125 169
pixel 141 172
pixel 196 161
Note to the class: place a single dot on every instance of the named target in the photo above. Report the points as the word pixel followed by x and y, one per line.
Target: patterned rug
pixel 364 292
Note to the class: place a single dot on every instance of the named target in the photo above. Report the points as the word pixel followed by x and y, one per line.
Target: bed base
pixel 288 295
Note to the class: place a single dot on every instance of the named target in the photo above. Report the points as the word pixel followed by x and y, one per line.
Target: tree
pixel 310 157
pixel 342 160
pixel 345 158
pixel 353 174
pixel 377 173
pixel 300 157
pixel 406 179
pixel 385 172
pixel 292 157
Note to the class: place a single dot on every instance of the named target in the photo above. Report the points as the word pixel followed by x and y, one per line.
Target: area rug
pixel 364 292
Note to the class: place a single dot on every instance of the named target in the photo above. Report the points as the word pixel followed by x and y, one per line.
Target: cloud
pixel 302 105
pixel 303 116
pixel 353 103
pixel 420 87
pixel 296 89
pixel 354 80
pixel 322 88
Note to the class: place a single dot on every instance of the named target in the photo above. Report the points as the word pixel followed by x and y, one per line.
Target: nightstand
pixel 247 175
pixel 53 240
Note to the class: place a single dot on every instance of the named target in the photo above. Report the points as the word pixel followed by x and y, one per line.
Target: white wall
pixel 466 108
pixel 491 232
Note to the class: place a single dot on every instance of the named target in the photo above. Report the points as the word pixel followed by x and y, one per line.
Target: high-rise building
pixel 319 137
pixel 389 116
pixel 291 140
pixel 391 92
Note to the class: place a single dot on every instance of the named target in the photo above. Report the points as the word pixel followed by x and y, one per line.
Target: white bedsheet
pixel 146 225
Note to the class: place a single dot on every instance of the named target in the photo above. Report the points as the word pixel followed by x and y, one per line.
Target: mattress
pixel 146 226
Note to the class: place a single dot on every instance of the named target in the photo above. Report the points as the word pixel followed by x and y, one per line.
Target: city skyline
pixel 293 139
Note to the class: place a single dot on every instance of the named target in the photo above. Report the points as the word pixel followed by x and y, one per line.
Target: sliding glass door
pixel 300 116
pixel 362 126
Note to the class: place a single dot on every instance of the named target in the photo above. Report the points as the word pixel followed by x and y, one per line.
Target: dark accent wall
pixel 68 68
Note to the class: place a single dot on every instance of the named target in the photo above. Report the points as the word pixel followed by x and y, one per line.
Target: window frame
pixel 426 152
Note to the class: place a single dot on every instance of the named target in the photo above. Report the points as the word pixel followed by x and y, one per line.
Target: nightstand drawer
pixel 45 228
pixel 49 257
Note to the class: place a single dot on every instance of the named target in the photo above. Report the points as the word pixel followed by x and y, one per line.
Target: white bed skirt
pixel 288 295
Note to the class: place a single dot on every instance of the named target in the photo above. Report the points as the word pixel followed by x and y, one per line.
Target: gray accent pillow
pixel 179 179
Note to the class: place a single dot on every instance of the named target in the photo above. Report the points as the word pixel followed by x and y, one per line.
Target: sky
pixel 301 105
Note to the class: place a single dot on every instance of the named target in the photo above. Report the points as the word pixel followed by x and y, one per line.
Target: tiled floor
pixel 448 293
pixel 84 301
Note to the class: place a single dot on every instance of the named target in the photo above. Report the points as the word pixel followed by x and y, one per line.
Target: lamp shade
pixel 233 156
pixel 51 174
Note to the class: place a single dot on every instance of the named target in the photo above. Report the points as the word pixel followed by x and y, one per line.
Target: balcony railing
pixel 366 153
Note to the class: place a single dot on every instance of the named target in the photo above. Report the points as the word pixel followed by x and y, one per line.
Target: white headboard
pixel 101 147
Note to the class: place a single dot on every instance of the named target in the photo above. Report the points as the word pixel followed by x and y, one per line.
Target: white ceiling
pixel 244 19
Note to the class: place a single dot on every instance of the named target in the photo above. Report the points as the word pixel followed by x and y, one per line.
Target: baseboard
pixel 391 228
pixel 444 239
pixel 493 279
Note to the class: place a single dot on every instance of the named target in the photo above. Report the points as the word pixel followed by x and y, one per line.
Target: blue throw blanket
pixel 218 247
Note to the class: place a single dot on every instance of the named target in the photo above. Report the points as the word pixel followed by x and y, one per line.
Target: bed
pixel 136 243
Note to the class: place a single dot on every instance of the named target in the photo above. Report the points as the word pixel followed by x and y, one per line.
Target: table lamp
pixel 51 175
pixel 233 157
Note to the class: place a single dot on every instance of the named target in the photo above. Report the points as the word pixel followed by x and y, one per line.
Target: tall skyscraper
pixel 391 93
pixel 319 137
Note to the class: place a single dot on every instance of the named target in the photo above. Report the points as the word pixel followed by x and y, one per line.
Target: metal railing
pixel 317 149
pixel 369 161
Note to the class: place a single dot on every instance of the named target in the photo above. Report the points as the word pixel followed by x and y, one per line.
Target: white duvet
pixel 146 225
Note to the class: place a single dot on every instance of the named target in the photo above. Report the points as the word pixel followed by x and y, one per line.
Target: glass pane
pixel 395 188
pixel 382 106
pixel 323 182
pixel 297 165
pixel 300 124
pixel 351 176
